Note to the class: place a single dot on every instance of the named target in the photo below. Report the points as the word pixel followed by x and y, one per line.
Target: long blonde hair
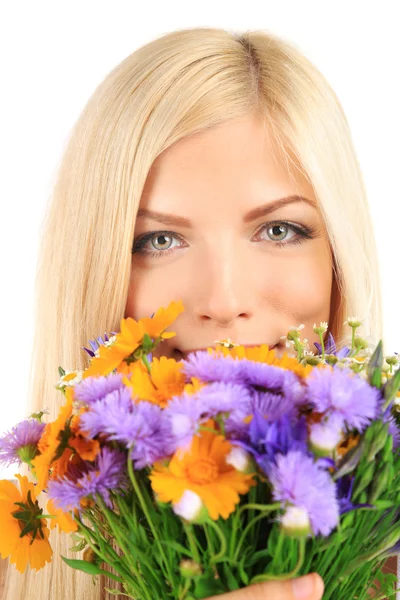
pixel 172 87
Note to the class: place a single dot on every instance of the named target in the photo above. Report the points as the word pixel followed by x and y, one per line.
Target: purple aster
pixel 95 388
pixel 138 425
pixel 268 405
pixel 184 414
pixel 208 367
pixel 344 397
pixel 330 348
pixel 220 397
pixel 273 379
pixel 20 443
pixel 105 476
pixel 298 481
pixel 95 344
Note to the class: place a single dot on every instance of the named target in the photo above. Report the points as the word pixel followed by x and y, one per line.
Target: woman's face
pixel 214 231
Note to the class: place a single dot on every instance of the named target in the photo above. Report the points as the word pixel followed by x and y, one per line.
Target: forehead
pixel 237 162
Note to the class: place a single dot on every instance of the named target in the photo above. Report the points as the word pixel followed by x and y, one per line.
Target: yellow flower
pixel 64 520
pixel 129 339
pixel 203 470
pixel 165 380
pixel 33 547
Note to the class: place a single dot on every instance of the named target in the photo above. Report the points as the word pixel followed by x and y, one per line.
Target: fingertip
pixel 319 585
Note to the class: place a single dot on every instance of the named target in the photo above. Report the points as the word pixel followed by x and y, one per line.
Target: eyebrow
pixel 256 213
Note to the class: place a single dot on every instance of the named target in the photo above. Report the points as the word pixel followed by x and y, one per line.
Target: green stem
pixel 321 339
pixel 278 548
pixel 222 539
pixel 146 363
pixel 117 532
pixel 265 508
pixel 185 589
pixel 192 541
pixel 269 577
pixel 87 534
pixel 145 509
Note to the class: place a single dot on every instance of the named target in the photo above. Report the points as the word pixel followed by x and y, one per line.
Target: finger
pixel 309 587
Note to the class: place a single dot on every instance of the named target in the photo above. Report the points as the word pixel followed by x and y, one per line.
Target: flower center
pixel 202 471
pixel 28 517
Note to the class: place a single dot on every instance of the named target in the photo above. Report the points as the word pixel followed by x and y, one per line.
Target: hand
pixel 309 587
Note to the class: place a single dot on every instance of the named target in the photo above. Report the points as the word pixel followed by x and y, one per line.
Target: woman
pixel 165 192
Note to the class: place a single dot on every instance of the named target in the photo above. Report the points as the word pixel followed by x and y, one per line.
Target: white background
pixel 54 54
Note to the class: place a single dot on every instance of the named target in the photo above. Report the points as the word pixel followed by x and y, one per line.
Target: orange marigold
pixel 203 470
pixel 20 513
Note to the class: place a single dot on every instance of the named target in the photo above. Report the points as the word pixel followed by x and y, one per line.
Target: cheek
pixel 149 289
pixel 302 288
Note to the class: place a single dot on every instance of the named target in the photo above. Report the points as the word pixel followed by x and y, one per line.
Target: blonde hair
pixel 172 87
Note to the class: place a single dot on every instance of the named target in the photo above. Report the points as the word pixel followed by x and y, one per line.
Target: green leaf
pixel 230 578
pixel 89 568
pixel 206 587
pixel 374 369
pixel 61 372
pixel 116 592
pixel 178 547
pixel 392 386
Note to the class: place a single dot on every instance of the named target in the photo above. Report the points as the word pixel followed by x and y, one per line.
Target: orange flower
pixel 203 470
pixel 33 547
pixel 165 380
pixel 49 445
pixel 130 338
pixel 64 520
pixel 164 317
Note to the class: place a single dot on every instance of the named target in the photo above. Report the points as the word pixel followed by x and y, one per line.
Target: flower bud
pixel 295 522
pixel 324 438
pixel 190 568
pixel 240 460
pixel 190 507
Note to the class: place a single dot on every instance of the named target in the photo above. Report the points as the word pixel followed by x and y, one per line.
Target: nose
pixel 225 293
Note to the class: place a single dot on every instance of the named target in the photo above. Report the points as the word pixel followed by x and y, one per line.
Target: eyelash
pixel 305 233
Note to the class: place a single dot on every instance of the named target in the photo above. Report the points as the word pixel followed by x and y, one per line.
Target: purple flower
pixel 184 414
pixel 344 491
pixel 95 388
pixel 20 443
pixel 298 481
pixel 272 379
pixel 95 344
pixel 208 367
pixel 330 348
pixel 275 437
pixel 343 397
pixel 140 426
pixel 105 476
pixel 393 427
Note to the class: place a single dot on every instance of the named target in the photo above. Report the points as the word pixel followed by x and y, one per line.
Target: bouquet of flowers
pixel 187 479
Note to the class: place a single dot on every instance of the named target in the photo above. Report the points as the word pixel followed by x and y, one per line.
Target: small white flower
pixel 111 341
pixel 189 507
pixel 353 321
pixel 71 382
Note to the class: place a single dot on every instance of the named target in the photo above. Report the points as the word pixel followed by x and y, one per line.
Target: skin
pixel 223 262
pixel 234 280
